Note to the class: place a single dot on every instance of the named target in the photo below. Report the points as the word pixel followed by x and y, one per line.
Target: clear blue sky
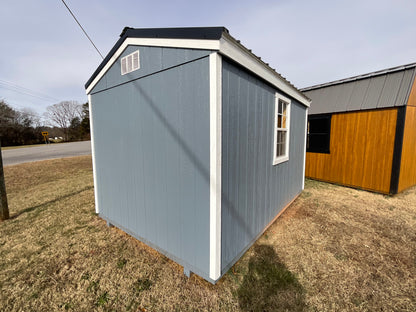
pixel 308 42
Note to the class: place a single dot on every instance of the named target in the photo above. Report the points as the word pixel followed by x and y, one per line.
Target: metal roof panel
pixel 382 89
pixel 405 87
pixel 373 92
pixel 358 94
pixel 390 91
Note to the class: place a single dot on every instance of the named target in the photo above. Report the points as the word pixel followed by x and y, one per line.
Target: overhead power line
pixel 79 24
pixel 26 91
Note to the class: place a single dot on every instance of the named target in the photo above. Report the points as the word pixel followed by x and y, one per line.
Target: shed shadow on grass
pixel 269 285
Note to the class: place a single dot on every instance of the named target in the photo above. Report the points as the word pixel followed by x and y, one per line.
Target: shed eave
pixel 237 52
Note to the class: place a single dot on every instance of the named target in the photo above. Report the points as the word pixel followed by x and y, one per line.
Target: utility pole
pixel 4 208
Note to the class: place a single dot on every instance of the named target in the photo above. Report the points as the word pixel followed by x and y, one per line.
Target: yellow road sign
pixel 45 133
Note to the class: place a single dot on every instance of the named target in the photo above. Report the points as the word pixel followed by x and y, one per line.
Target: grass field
pixel 334 249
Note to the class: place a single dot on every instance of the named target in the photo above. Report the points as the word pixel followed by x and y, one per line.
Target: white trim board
pixel 226 46
pixel 304 149
pixel 215 85
pixel 94 166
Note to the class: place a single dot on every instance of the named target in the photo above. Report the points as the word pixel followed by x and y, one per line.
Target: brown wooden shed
pixel 362 131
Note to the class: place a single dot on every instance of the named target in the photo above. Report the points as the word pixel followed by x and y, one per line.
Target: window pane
pixel 280 110
pixel 319 125
pixel 319 142
pixel 278 136
pixel 281 143
pixel 279 121
pixel 284 122
pixel 278 150
pixel 319 134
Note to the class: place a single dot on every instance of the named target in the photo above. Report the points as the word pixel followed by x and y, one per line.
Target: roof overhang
pixel 223 44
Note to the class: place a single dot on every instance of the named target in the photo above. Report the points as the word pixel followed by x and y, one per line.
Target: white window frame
pixel 285 156
pixel 129 60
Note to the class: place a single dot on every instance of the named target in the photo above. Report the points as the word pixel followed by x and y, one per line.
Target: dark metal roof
pixel 213 33
pixel 208 33
pixel 380 89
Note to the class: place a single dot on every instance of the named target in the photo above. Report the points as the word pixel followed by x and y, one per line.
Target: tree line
pixel 68 120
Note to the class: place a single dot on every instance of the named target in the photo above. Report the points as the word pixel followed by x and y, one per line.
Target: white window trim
pixel 285 157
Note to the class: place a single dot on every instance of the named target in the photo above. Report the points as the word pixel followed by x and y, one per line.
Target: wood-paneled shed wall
pixel 361 150
pixel 408 163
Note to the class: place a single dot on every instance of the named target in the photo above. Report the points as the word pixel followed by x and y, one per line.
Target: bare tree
pixel 63 113
pixel 29 118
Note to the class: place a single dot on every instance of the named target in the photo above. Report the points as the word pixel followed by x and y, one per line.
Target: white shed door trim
pixel 215 85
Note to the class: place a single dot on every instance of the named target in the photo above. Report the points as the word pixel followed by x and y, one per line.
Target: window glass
pixel 319 131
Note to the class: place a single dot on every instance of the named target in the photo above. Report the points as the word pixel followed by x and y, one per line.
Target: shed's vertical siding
pixel 361 150
pixel 408 162
pixel 407 176
pixel 152 160
pixel 253 190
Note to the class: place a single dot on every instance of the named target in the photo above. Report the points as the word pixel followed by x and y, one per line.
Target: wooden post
pixel 4 208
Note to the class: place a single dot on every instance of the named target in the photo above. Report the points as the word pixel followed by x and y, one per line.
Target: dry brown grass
pixel 334 249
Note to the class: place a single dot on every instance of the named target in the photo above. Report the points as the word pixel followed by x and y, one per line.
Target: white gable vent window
pixel 130 63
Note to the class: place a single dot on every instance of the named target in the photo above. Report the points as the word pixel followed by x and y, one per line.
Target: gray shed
pixel 197 144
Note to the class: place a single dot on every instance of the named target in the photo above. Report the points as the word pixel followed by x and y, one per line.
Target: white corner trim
pixel 215 80
pixel 154 42
pixel 304 149
pixel 94 166
pixel 232 50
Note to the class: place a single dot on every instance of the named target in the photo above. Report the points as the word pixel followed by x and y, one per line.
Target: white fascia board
pixel 232 50
pixel 215 78
pixel 155 42
pixel 94 166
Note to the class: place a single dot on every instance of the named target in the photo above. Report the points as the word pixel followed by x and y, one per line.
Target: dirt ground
pixel 333 249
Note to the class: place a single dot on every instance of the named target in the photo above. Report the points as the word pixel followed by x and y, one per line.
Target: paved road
pixel 43 152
